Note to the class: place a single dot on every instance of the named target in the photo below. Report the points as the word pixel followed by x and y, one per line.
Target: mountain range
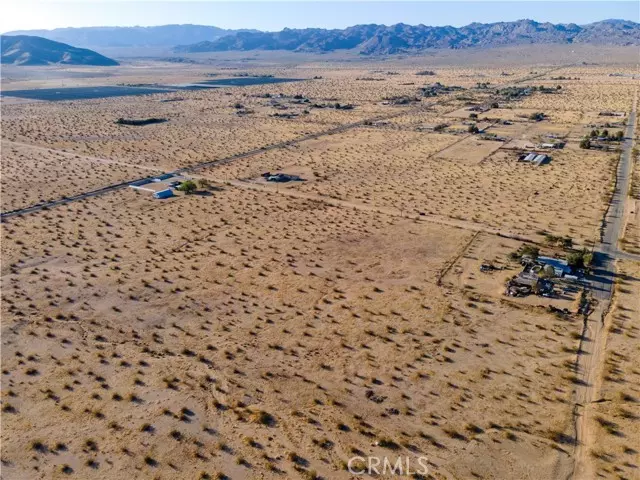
pixel 160 36
pixel 364 39
pixel 28 50
pixel 401 38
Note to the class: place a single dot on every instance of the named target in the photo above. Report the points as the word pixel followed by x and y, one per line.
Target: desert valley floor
pixel 268 330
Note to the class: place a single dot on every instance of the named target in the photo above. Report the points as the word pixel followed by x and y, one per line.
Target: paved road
pixel 622 255
pixel 607 251
pixel 591 356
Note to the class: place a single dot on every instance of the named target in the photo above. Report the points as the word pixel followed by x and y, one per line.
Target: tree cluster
pixel 604 135
pixel 580 259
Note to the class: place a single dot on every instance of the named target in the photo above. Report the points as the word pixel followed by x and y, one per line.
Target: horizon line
pixel 319 28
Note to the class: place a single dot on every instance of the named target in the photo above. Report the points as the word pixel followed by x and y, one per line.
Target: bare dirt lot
pixel 258 329
pixel 614 426
pixel 452 175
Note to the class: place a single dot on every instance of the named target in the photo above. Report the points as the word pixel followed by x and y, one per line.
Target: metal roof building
pixel 539 159
pixel 166 193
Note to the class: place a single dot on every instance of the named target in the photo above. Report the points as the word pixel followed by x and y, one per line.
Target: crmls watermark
pixel 388 466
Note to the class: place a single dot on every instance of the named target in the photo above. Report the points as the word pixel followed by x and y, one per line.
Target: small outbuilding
pixel 166 193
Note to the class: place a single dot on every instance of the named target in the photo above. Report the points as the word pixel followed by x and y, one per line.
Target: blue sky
pixel 267 15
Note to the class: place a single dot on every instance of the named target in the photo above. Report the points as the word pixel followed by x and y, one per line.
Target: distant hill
pixel 28 50
pixel 161 36
pixel 382 39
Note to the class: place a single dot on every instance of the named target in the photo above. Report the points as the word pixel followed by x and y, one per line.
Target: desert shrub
pixel 386 442
pixel 263 418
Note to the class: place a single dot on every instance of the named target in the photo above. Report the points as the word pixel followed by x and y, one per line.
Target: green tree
pixel 619 135
pixel 587 258
pixel 550 238
pixel 585 143
pixel 548 272
pixel 580 259
pixel 203 183
pixel 188 187
pixel 473 129
pixel 530 250
pixel 574 259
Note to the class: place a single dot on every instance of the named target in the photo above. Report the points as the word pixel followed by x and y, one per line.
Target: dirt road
pixel 223 161
pixel 389 211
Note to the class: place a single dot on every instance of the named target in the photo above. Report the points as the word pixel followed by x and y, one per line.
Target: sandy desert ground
pixel 630 242
pixel 615 423
pixel 261 330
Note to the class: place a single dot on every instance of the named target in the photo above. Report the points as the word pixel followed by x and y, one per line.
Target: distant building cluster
pixel 161 186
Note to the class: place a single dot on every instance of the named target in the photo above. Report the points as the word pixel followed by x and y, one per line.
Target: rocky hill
pixel 382 39
pixel 28 50
pixel 160 36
